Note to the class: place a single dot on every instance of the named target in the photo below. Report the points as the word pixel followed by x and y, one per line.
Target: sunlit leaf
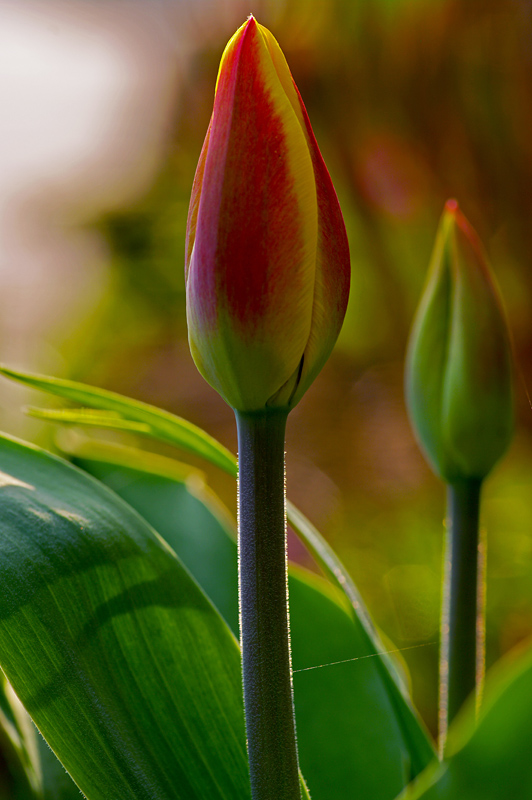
pixel 34 771
pixel 420 747
pixel 489 760
pixel 163 425
pixel 19 748
pixel 122 662
pixel 89 417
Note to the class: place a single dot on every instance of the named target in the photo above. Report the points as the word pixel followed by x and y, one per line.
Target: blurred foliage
pixel 412 102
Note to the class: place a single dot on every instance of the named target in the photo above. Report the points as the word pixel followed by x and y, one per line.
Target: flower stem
pixel 462 626
pixel 263 590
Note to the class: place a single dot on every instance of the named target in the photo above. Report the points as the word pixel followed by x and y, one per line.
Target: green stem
pixel 462 628
pixel 263 592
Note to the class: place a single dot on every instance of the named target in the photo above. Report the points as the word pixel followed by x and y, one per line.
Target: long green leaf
pixel 421 749
pixel 56 782
pixel 19 749
pixel 161 424
pixel 34 771
pixel 348 733
pixel 170 428
pixel 122 662
pixel 90 417
pixel 488 760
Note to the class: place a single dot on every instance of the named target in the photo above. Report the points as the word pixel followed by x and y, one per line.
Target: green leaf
pixel 161 424
pixel 348 731
pixel 19 748
pixel 350 741
pixel 122 662
pixel 34 771
pixel 56 782
pixel 169 428
pixel 89 417
pixel 420 748
pixel 174 499
pixel 489 760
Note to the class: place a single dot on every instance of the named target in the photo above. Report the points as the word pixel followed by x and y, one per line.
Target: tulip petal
pixel 194 202
pixel 427 353
pixel 332 277
pixel 331 285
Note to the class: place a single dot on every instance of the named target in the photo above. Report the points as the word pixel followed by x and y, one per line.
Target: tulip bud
pixel 459 363
pixel 267 259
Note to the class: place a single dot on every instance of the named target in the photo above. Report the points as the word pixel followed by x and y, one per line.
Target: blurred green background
pixel 412 102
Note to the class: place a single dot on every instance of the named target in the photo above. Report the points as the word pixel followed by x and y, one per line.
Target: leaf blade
pixel 488 759
pixel 106 612
pixel 165 426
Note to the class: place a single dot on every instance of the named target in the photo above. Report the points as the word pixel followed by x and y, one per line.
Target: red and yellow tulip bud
pixel 267 260
pixel 459 362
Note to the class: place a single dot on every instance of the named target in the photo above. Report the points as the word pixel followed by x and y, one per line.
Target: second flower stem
pixel 263 594
pixel 462 638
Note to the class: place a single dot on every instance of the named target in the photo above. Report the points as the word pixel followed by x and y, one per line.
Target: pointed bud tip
pixel 463 226
pixel 452 206
pixel 250 27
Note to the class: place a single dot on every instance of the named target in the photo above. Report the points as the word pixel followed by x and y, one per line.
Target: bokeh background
pixel 103 111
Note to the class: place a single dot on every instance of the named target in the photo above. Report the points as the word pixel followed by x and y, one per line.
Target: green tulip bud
pixel 459 362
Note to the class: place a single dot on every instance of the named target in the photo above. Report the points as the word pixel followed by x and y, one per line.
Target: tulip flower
pixel 459 395
pixel 267 260
pixel 459 363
